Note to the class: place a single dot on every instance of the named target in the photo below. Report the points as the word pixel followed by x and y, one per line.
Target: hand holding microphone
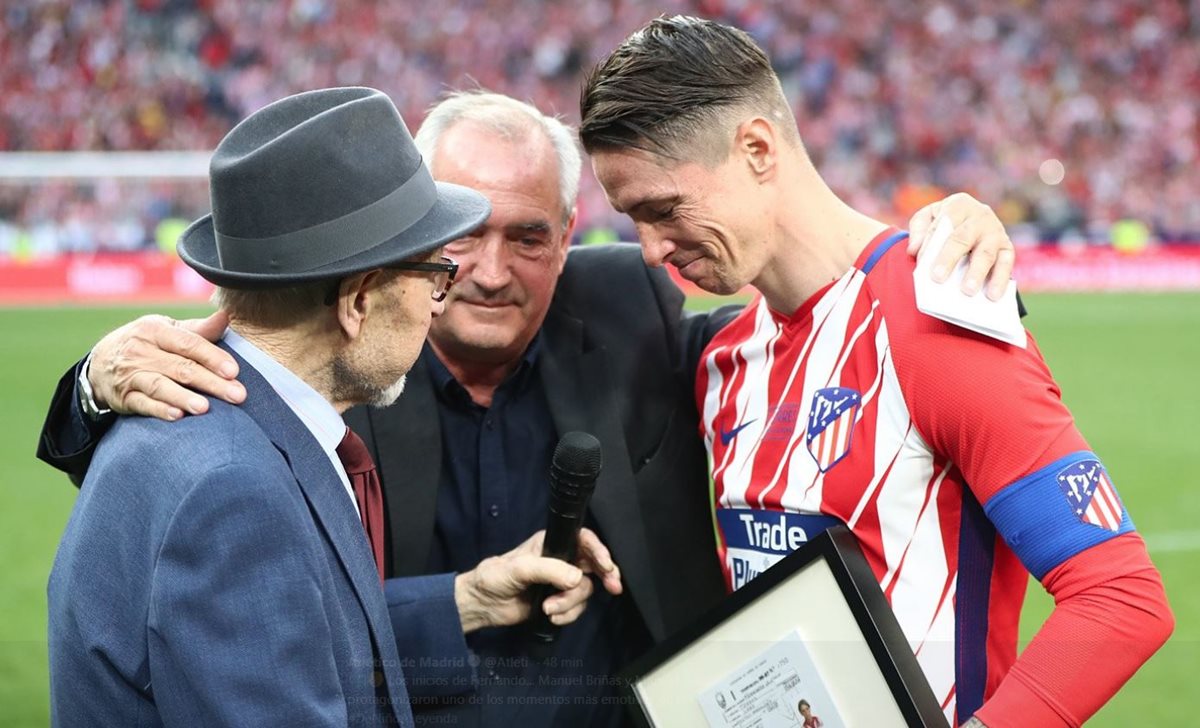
pixel 521 584
pixel 573 471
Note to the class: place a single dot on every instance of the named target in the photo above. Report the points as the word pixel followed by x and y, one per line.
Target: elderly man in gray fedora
pixel 226 570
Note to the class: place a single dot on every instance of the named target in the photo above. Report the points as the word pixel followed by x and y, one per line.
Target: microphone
pixel 573 472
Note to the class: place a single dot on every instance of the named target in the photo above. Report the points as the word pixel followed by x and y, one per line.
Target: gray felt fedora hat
pixel 318 186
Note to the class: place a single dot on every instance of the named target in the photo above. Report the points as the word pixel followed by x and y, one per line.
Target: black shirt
pixel 492 496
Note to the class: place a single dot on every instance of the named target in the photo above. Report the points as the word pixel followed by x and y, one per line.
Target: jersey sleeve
pixel 1110 615
pixel 995 411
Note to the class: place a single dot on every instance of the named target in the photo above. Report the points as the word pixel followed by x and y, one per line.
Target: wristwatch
pixel 87 398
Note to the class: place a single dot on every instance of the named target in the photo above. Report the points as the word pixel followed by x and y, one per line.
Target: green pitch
pixel 1127 365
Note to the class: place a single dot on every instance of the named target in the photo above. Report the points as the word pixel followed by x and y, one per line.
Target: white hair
pixel 509 118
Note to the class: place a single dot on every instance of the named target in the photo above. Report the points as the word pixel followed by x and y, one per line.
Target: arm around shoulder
pixel 69 437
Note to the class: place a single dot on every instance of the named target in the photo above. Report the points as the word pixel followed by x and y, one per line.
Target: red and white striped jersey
pixel 932 443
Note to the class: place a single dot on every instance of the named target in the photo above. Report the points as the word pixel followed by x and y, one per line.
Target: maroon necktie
pixel 367 491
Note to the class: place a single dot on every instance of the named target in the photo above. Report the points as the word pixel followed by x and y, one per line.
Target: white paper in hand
pixel 946 301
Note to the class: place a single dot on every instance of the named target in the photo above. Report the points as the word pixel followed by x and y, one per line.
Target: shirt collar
pixel 445 383
pixel 317 414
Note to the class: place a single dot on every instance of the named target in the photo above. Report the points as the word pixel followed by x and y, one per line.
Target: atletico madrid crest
pixel 1091 494
pixel 831 424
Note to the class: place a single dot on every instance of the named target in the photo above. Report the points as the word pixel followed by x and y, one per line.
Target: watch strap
pixel 87 398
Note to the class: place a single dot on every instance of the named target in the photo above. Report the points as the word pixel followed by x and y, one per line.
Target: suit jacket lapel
pixel 330 504
pixel 406 440
pixel 579 394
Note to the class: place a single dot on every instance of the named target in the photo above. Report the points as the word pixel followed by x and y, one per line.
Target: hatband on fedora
pixel 321 185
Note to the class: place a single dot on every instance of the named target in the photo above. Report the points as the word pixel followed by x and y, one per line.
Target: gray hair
pixel 274 308
pixel 282 307
pixel 509 118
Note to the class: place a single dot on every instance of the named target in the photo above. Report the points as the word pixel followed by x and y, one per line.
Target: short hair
pixel 670 88
pixel 511 120
pixel 286 306
pixel 274 308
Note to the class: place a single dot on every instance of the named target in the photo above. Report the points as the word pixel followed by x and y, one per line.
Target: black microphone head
pixel 576 459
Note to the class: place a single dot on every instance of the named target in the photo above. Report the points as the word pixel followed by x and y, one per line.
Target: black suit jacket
pixel 618 360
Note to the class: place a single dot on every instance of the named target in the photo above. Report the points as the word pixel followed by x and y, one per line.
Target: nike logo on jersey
pixel 728 435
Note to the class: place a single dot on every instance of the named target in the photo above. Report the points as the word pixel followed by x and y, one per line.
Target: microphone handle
pixel 562 542
pixel 562 533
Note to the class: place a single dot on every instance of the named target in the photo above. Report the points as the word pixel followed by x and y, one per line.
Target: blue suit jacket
pixel 214 572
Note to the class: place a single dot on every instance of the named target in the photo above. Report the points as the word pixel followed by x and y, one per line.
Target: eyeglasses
pixel 446 270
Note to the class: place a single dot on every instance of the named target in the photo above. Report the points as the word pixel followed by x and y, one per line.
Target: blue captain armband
pixel 1054 513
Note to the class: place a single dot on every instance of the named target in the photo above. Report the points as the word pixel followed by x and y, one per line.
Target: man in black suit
pixel 534 343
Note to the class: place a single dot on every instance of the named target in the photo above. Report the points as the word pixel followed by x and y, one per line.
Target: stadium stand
pixel 898 101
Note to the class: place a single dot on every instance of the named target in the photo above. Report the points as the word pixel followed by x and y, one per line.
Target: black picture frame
pixel 838 548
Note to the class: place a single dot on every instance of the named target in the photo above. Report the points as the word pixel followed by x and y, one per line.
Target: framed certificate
pixel 810 643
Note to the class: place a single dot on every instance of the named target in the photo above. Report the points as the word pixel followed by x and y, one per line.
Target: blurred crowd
pixel 898 101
